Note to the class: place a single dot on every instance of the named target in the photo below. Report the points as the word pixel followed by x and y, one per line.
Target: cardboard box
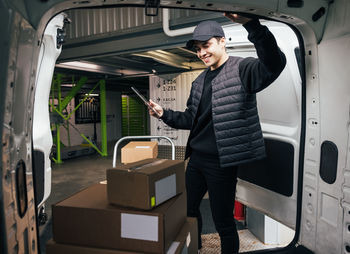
pixel 187 239
pixel 145 184
pixel 185 242
pixel 139 150
pixel 87 218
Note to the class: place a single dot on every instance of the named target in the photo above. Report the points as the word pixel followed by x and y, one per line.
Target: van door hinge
pixel 61 33
pixel 152 7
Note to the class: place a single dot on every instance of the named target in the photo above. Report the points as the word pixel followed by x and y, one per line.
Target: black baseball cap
pixel 205 31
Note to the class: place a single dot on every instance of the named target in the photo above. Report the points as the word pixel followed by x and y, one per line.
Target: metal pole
pixel 128 113
pixel 103 117
pixel 58 145
pixel 73 92
pixel 58 134
pixel 68 133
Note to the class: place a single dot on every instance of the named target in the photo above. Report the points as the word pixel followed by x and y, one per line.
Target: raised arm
pixel 257 74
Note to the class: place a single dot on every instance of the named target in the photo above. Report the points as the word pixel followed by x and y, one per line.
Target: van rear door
pixel 270 185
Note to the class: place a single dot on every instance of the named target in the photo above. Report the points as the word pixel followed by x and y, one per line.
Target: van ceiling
pixel 124 43
pixel 302 14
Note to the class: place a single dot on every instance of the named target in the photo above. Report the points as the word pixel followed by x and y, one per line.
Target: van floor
pixel 75 174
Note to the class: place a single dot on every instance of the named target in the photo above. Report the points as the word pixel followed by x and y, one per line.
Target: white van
pixel 305 181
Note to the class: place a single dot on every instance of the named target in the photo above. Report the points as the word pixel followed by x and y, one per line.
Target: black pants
pixel 203 175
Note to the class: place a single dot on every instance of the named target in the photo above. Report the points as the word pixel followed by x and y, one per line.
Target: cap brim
pixel 190 43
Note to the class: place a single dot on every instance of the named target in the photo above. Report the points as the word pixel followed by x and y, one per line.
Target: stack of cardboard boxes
pixel 142 209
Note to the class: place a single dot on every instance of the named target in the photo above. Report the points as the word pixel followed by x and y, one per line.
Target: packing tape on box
pixel 173 247
pixel 188 239
pixel 151 164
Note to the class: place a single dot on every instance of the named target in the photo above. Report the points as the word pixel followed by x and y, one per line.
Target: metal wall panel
pixel 90 22
pixel 171 91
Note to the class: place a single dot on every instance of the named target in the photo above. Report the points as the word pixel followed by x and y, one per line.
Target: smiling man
pixel 223 118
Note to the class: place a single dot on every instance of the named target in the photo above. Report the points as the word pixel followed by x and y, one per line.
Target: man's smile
pixel 206 59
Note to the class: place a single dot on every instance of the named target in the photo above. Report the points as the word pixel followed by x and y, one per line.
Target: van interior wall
pixel 328 177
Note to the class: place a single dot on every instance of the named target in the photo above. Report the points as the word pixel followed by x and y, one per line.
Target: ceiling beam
pixel 97 68
pixel 171 59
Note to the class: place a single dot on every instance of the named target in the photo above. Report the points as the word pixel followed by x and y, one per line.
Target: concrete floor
pixel 68 178
pixel 75 174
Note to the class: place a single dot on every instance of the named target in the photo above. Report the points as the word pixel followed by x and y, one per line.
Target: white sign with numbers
pixel 171 92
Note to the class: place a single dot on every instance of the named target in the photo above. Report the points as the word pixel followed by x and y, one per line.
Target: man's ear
pixel 222 41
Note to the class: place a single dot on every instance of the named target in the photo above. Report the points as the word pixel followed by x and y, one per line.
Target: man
pixel 223 118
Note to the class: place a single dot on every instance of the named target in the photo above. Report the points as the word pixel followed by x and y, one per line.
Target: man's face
pixel 211 52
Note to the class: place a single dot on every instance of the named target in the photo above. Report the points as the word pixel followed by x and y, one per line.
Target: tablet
pixel 144 100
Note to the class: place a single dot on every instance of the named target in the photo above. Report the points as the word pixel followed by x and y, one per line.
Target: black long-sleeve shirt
pixel 202 136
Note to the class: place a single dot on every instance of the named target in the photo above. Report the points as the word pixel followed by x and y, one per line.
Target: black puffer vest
pixel 235 116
